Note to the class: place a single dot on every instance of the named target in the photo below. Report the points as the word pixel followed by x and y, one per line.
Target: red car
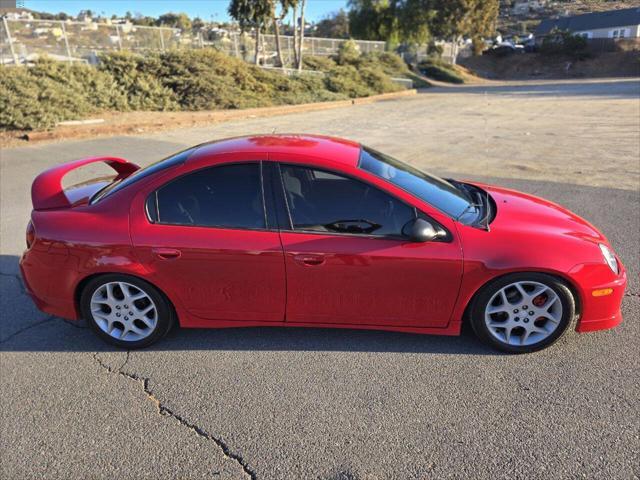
pixel 311 231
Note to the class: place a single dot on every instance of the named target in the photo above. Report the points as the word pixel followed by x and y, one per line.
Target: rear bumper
pixel 599 312
pixel 46 281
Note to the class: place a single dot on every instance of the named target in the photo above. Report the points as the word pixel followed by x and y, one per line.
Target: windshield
pixel 163 164
pixel 455 202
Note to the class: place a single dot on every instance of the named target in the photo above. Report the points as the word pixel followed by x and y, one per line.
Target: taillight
pixel 31 234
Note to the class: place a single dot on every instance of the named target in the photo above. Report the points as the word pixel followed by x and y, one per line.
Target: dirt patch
pixel 118 123
pixel 536 66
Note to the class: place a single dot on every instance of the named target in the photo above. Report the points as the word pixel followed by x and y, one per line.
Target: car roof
pixel 331 148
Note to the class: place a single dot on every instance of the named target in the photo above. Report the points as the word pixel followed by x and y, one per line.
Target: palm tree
pixel 251 13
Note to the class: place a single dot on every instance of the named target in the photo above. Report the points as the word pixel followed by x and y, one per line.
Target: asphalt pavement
pixel 275 403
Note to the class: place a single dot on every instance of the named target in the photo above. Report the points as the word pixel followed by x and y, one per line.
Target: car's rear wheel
pixel 126 311
pixel 523 312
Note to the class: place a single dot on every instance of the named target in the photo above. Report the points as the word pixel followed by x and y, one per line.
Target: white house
pixel 614 24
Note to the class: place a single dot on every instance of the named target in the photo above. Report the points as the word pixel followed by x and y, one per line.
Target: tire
pixel 509 327
pixel 147 318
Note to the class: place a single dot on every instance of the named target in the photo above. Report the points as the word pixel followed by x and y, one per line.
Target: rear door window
pixel 228 196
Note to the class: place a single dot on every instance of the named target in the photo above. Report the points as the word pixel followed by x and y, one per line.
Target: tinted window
pixel 433 190
pixel 326 202
pixel 172 161
pixel 227 196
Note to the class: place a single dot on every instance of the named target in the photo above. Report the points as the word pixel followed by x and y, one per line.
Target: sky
pixel 208 10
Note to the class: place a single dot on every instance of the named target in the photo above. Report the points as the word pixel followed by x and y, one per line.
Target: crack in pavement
pixel 166 411
pixel 28 327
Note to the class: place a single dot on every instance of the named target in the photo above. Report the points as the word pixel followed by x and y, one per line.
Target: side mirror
pixel 421 230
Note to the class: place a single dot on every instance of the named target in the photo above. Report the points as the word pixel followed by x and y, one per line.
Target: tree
pixel 197 24
pixel 140 19
pixel 335 25
pixel 475 19
pixel 175 20
pixel 301 36
pixel 418 21
pixel 251 13
pixel 277 18
pixel 374 20
pixel 295 33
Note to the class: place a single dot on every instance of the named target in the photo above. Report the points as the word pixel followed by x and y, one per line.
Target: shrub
pixel 38 97
pixel 390 63
pixel 348 53
pixel 42 95
pixel 28 102
pixel 439 70
pixel 98 88
pixel 565 43
pixel 323 64
pixel 133 75
pixel 377 80
pixel 347 80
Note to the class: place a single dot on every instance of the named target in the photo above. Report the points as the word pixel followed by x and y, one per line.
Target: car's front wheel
pixel 523 312
pixel 126 311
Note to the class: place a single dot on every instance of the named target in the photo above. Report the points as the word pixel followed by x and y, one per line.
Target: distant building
pixel 613 24
pixel 16 14
pixel 524 7
pixel 85 16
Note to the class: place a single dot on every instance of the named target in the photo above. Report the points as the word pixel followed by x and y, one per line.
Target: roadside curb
pixel 132 123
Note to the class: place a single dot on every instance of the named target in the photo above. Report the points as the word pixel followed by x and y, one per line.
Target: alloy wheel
pixel 124 311
pixel 523 313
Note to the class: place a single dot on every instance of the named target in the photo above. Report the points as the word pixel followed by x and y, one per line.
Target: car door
pixel 348 261
pixel 207 237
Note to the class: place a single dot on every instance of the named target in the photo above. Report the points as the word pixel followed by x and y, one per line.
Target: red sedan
pixel 311 231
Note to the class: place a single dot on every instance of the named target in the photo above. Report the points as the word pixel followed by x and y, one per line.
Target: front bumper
pixel 598 311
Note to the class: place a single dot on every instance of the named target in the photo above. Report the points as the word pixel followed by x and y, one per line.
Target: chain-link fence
pixel 243 45
pixel 25 40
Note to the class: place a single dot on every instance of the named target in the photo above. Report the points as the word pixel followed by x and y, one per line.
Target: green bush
pixel 348 53
pixel 39 96
pixel 377 80
pixel 27 103
pixel 97 88
pixel 390 63
pixel 49 92
pixel 439 70
pixel 565 43
pixel 323 64
pixel 347 80
pixel 133 76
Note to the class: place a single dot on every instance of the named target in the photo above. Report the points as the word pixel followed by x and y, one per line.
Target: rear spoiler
pixel 47 191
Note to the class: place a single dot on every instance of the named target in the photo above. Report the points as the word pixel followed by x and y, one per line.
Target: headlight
pixel 609 257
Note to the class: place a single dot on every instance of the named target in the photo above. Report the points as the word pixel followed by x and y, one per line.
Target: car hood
pixel 523 212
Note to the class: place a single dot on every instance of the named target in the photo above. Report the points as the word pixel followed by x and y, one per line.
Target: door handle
pixel 309 259
pixel 167 253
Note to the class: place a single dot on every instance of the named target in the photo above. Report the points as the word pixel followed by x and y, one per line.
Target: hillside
pixel 512 24
pixel 536 66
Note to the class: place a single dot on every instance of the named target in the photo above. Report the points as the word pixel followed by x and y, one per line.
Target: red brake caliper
pixel 539 300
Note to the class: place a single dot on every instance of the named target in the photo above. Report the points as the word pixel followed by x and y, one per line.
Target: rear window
pixel 172 161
